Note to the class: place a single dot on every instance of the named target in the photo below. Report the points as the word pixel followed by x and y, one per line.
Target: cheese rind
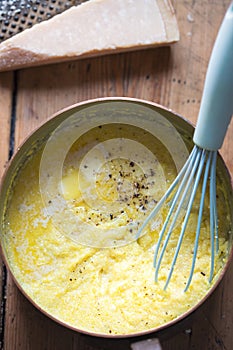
pixel 96 27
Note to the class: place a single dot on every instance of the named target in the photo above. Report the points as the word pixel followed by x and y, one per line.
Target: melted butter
pixel 111 290
pixel 69 185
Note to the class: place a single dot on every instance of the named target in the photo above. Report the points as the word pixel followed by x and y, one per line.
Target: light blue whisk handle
pixel 217 100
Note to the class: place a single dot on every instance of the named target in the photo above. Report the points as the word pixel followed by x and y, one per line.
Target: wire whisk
pixel 213 120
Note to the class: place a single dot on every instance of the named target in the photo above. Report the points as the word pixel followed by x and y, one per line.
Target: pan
pixel 105 135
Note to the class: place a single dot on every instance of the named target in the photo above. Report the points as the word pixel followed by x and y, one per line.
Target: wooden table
pixel 173 77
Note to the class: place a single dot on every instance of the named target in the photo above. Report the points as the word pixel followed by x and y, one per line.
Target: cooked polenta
pixel 107 289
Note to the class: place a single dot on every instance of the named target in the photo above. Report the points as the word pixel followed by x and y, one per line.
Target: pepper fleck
pixel 152 173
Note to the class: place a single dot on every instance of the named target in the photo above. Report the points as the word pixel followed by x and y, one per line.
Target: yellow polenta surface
pixel 105 290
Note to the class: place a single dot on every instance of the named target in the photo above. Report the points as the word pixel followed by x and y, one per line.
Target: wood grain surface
pixel 172 76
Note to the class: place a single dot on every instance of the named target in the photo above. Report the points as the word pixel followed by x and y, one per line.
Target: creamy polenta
pixel 109 290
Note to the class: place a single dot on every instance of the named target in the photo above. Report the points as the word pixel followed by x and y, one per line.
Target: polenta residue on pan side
pixel 109 290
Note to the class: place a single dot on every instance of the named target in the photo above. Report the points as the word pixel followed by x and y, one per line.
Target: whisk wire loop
pixel 172 206
pixel 195 176
pixel 198 229
pixel 167 194
pixel 214 196
pixel 213 215
pixel 182 191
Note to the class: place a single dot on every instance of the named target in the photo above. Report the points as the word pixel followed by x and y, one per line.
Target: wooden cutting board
pixel 173 77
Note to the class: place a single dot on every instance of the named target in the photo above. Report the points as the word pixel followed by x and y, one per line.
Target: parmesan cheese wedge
pixel 93 28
